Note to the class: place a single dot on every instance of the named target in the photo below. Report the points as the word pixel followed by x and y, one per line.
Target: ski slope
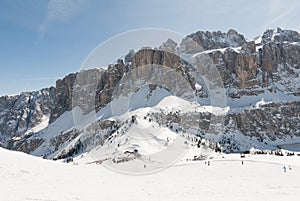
pixel 25 177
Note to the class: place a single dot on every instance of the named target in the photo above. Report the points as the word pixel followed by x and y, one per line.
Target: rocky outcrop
pixel 76 89
pixel 21 114
pixel 169 46
pixel 92 136
pixel 148 56
pixel 212 40
pixel 107 83
pixel 278 35
pixel 27 145
pixel 85 89
pixel 63 96
pixel 252 71
pixel 129 56
pixel 266 127
pixel 237 69
pixel 270 122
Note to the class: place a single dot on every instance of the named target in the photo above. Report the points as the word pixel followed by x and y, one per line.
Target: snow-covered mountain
pixel 24 114
pixel 159 94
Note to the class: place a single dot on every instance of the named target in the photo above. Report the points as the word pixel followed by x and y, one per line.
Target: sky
pixel 42 41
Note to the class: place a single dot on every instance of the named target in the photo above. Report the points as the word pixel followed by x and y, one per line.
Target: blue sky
pixel 41 41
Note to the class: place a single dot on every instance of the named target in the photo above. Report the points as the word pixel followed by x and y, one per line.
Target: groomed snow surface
pixel 261 177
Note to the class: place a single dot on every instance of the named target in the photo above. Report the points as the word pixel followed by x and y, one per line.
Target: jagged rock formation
pixel 250 71
pixel 279 36
pixel 108 81
pixel 76 89
pixel 21 114
pixel 169 46
pixel 63 96
pixel 201 40
pixel 150 56
pixel 269 122
pixel 268 66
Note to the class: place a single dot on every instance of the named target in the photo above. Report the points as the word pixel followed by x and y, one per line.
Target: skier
pixel 242 162
pixel 208 163
pixel 284 169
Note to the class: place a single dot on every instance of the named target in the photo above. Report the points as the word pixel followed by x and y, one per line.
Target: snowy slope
pixel 140 104
pixel 25 177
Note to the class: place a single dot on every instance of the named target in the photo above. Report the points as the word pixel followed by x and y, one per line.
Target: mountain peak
pixel 216 40
pixel 280 35
pixel 249 73
pixel 169 45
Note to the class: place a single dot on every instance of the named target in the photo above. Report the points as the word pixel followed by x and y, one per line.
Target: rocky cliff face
pixel 267 67
pixel 76 89
pixel 269 122
pixel 108 81
pixel 212 40
pixel 279 36
pixel 63 96
pixel 253 69
pixel 24 114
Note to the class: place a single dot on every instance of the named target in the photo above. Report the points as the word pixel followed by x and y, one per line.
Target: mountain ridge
pixel 266 68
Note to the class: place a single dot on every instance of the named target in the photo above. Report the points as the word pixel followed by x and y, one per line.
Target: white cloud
pixel 59 11
pixel 62 10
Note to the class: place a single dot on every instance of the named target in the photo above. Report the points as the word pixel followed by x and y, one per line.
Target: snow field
pixel 25 177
